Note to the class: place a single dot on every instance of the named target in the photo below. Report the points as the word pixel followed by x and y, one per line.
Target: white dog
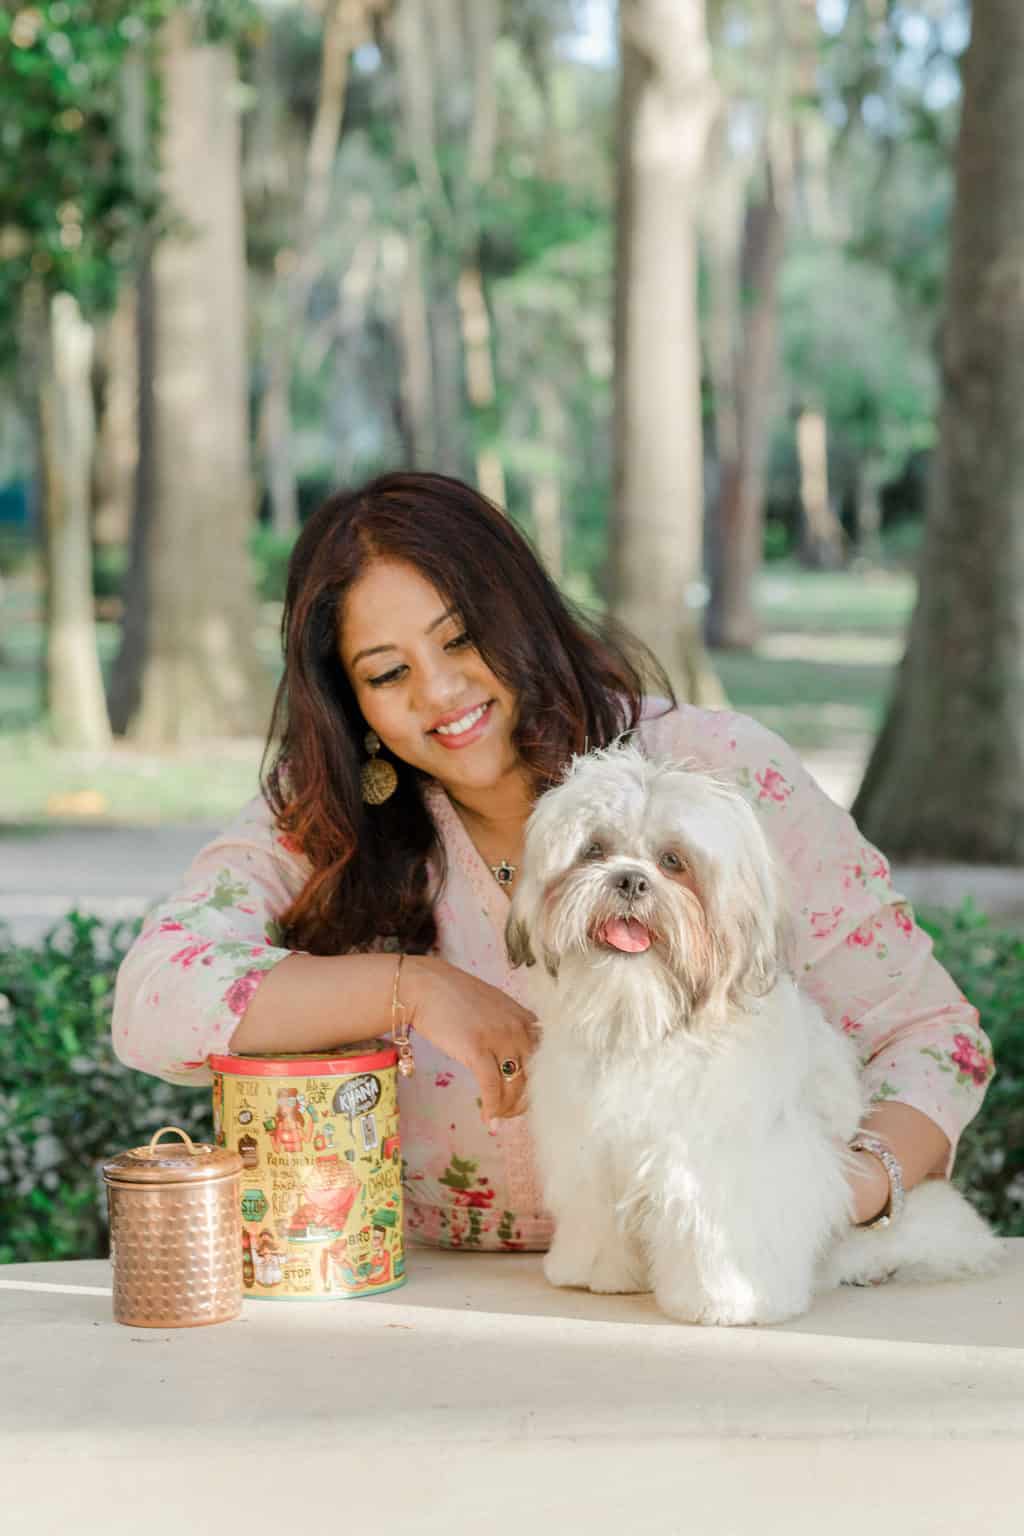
pixel 689 1105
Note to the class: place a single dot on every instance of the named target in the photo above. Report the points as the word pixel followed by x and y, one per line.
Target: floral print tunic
pixel 201 955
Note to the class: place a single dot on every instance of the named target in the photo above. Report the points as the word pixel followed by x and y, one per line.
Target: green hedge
pixel 66 1103
pixel 988 965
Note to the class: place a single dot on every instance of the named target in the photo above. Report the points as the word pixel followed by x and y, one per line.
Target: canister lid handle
pixel 172 1130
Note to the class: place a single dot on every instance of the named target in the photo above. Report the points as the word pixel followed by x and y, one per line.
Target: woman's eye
pixel 459 641
pixel 385 677
pixel 672 862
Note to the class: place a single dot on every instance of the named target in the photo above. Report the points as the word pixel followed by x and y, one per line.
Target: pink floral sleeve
pixel 202 953
pixel 858 951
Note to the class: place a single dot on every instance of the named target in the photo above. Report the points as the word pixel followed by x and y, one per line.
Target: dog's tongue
pixel 627 934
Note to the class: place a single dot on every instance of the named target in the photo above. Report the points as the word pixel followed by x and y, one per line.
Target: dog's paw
pixel 618 1273
pixel 737 1309
pixel 567 1267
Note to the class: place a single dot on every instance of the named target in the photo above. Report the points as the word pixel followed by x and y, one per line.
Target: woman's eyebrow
pixel 389 645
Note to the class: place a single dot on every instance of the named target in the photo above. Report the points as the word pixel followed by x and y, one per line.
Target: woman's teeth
pixel 465 724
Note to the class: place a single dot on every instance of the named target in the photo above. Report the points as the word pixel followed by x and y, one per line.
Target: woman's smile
pixel 461 730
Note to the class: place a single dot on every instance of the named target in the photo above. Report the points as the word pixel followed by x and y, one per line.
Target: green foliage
pixel 66 1102
pixel 69 202
pixel 270 553
pixel 988 965
pixel 78 141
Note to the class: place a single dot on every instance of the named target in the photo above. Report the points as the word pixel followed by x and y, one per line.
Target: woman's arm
pixel 204 952
pixel 858 952
pixel 316 1002
pixel 921 1147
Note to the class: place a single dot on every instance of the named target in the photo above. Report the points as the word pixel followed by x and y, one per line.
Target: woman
pixel 435 681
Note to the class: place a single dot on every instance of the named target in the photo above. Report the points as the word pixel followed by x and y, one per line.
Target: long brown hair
pixel 579 684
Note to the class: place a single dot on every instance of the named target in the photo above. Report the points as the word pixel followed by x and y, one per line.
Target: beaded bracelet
pixel 864 1141
pixel 400 1027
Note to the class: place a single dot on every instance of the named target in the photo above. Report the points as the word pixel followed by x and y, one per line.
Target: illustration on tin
pixel 269 1259
pixel 290 1129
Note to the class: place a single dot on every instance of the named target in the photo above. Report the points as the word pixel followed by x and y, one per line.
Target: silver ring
pixel 510 1067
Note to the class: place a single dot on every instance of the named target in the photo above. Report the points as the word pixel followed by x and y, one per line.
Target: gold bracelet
pixel 400 1027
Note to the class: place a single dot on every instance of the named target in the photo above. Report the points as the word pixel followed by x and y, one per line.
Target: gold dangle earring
pixel 378 776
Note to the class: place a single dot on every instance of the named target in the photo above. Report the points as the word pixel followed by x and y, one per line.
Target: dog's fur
pixel 690 1106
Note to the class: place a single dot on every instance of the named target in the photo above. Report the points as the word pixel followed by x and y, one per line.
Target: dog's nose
pixel 631 883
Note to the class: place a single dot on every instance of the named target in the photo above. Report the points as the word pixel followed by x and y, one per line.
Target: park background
pixel 723 301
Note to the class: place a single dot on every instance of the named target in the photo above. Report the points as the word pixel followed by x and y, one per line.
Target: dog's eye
pixel 673 863
pixel 593 851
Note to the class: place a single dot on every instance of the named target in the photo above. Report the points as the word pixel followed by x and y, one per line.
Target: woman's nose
pixel 443 684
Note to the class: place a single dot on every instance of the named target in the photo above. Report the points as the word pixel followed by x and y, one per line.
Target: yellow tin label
pixel 321 1186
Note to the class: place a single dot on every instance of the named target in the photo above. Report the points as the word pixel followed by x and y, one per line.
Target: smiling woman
pixel 435 683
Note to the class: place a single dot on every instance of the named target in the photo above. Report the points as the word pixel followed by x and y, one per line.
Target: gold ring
pixel 510 1067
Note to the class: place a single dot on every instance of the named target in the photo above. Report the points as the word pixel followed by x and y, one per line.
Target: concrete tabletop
pixel 476 1397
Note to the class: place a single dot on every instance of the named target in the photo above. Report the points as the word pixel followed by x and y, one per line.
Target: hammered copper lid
pixel 189 1163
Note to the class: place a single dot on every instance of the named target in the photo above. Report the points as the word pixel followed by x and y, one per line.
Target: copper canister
pixel 175 1233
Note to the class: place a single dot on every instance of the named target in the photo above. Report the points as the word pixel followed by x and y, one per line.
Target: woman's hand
pixel 473 1023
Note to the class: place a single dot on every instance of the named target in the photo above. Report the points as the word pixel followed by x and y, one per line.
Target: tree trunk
pixel 117 444
pixel 346 25
pixel 666 106
pixel 76 707
pixel 201 676
pixel 552 431
pixel 739 526
pixel 821 543
pixel 415 383
pixel 947 778
pixel 126 679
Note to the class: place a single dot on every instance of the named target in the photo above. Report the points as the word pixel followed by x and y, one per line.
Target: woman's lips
pixel 466 738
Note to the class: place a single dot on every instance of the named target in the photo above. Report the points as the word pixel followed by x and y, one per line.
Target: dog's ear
pixel 517 942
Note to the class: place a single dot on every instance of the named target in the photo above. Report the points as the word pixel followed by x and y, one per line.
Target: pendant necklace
pixel 504 872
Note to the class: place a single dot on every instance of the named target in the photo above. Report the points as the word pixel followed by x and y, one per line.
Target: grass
pixel 823 669
pixel 820 677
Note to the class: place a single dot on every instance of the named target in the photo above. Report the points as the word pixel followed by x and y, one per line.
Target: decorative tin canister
pixel 321 1191
pixel 175 1233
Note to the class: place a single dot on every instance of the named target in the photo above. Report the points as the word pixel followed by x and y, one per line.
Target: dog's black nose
pixel 631 883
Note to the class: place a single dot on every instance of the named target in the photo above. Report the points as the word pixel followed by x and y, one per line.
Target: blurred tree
pixel 667 105
pixel 346 25
pixel 188 667
pixel 748 194
pixel 448 112
pixel 68 214
pixel 946 779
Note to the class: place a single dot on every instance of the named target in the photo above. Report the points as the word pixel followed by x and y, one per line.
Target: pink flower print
pixel 773 786
pixel 903 919
pixel 862 937
pixel 971 1061
pixel 442 1079
pixel 242 907
pixel 824 923
pixel 879 866
pixel 190 954
pixel 852 874
pixel 850 1026
pixel 289 844
pixel 168 925
pixel 240 992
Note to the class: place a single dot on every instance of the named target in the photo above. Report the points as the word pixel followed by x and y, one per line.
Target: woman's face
pixel 420 682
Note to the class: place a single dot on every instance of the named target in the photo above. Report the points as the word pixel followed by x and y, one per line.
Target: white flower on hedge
pixel 47 1152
